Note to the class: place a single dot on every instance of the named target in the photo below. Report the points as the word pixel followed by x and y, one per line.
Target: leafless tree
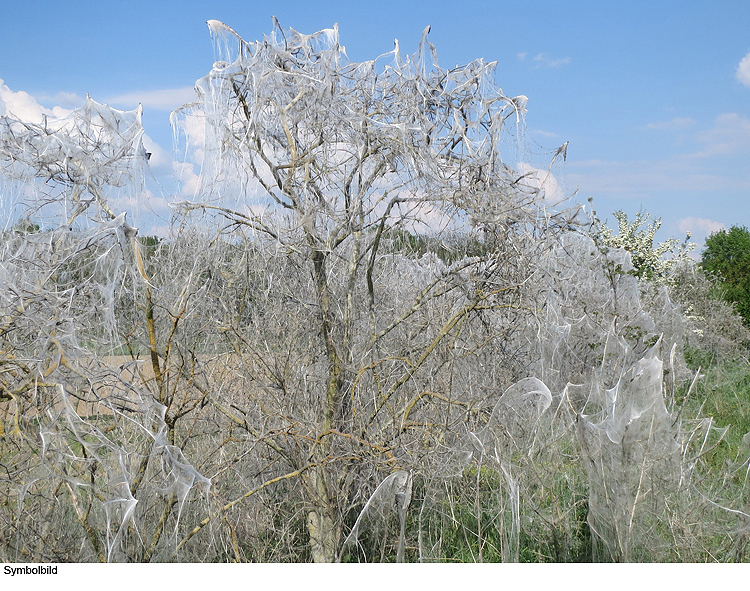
pixel 366 336
pixel 321 162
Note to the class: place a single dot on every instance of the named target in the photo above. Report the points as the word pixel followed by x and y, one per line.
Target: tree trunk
pixel 322 522
pixel 323 540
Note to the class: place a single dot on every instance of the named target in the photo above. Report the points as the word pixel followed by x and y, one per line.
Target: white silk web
pixel 366 337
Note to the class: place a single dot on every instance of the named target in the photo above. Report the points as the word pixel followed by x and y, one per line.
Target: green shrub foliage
pixel 727 258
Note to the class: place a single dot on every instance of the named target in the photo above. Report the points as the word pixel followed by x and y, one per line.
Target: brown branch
pixel 249 493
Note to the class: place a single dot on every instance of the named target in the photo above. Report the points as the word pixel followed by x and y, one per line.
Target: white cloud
pixel 543 133
pixel 166 99
pixel 717 166
pixel 68 99
pixel 546 61
pixel 521 56
pixel 140 203
pixel 160 230
pixel 743 70
pixel 699 226
pixel 160 161
pixel 675 124
pixel 187 179
pixel 191 125
pixel 700 229
pixel 25 107
pixel 535 178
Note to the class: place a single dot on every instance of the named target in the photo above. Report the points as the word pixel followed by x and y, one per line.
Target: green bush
pixel 727 257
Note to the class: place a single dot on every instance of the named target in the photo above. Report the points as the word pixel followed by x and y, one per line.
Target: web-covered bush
pixel 365 338
pixel 85 445
pixel 716 332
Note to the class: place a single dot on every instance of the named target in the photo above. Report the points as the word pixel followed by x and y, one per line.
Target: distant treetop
pixel 727 257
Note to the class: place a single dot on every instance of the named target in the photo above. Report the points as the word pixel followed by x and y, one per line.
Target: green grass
pixel 722 393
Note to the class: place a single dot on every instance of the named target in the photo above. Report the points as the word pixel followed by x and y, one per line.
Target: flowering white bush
pixel 655 263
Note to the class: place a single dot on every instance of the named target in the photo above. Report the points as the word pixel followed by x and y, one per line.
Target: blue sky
pixel 650 95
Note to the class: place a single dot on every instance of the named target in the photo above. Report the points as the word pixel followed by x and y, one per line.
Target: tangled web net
pixel 365 339
pixel 640 458
pixel 88 412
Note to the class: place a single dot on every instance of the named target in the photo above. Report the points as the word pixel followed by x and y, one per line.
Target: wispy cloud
pixel 714 162
pixel 676 124
pixel 543 133
pixel 644 179
pixel 166 99
pixel 541 60
pixel 69 100
pixel 743 70
pixel 729 135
